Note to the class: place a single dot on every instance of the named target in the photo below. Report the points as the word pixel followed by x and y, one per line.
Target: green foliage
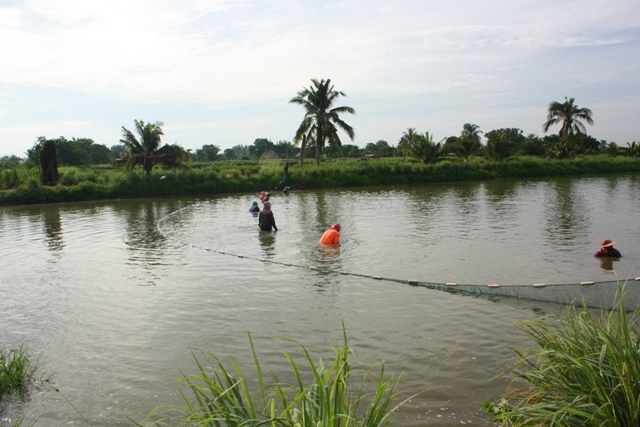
pixel 234 176
pixel 321 121
pixel 223 397
pixel 500 145
pixel 147 152
pixel 584 371
pixel 570 116
pixel 16 371
pixel 423 148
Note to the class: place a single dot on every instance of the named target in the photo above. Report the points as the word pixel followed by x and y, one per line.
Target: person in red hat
pixel 332 235
pixel 607 250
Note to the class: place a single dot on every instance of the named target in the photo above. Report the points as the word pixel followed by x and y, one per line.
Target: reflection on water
pixel 53 229
pixel 606 263
pixel 112 347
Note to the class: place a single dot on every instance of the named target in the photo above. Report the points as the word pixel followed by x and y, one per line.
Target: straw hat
pixel 606 243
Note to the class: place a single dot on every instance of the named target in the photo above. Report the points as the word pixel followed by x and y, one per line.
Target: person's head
pixel 336 227
pixel 606 243
pixel 267 206
pixel 266 196
pixel 254 205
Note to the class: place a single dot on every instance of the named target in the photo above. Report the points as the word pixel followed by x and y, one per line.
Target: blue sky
pixel 222 71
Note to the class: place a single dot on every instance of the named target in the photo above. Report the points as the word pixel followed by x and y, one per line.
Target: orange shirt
pixel 330 236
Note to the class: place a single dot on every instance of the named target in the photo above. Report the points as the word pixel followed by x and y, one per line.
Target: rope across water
pixel 594 294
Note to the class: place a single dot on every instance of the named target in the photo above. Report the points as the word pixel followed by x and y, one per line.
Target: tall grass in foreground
pixel 17 370
pixel 220 397
pixel 585 373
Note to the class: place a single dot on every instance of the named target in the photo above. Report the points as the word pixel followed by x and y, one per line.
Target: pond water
pixel 112 295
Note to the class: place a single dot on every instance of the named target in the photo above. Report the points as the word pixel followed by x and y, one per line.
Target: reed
pixel 17 370
pixel 586 371
pixel 221 397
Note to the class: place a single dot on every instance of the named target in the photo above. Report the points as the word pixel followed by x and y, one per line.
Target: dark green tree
pixel 99 154
pixel 117 151
pixel 321 119
pixel 260 146
pixel 207 153
pixel 570 116
pixel 405 140
pixel 423 148
pixel 49 163
pixel 147 151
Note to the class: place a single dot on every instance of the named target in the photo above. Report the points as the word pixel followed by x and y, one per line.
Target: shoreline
pixel 92 184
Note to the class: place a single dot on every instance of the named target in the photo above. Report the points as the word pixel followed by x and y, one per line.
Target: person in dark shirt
pixel 266 220
pixel 607 250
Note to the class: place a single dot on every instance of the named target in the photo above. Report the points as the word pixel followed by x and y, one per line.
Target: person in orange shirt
pixel 332 235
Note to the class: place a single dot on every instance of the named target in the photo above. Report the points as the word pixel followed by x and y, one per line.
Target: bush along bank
pixel 236 177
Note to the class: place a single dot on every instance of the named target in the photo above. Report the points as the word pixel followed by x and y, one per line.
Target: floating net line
pixel 591 294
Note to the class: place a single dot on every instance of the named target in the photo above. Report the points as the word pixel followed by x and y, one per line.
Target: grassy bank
pixel 21 186
pixel 584 371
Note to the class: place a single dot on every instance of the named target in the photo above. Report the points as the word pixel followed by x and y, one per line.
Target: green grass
pixel 585 372
pixel 17 370
pixel 217 396
pixel 21 185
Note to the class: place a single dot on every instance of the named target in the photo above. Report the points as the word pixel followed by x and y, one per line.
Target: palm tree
pixel 469 141
pixel 570 116
pixel 320 119
pixel 147 152
pixel 424 149
pixel 405 140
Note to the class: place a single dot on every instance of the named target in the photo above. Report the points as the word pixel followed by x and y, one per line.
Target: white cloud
pixel 224 54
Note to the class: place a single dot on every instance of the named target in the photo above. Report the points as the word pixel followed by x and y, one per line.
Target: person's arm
pixel 273 221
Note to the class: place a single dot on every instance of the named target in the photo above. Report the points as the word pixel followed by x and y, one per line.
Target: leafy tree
pixel 260 146
pixel 570 116
pixel 230 154
pixel 321 119
pixel 117 151
pixel 423 148
pixel 533 146
pixel 74 152
pixel 99 154
pixel 147 152
pixel 48 157
pixel 350 150
pixel 10 161
pixel 207 153
pixel 286 149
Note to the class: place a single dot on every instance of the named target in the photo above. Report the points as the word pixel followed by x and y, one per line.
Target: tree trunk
pixel 303 147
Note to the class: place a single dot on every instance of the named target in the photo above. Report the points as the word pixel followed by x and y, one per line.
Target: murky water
pixel 112 307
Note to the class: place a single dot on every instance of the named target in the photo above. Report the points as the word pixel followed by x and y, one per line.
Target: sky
pixel 223 71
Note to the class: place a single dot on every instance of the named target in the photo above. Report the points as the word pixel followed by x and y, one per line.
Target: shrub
pixel 586 371
pixel 223 397
pixel 16 371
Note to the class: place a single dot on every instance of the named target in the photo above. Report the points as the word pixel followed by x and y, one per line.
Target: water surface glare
pixel 112 307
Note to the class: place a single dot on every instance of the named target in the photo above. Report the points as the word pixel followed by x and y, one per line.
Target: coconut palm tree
pixel 570 116
pixel 405 140
pixel 469 142
pixel 147 152
pixel 424 149
pixel 320 119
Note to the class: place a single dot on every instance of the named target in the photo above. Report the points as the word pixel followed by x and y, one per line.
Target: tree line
pixel 317 136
